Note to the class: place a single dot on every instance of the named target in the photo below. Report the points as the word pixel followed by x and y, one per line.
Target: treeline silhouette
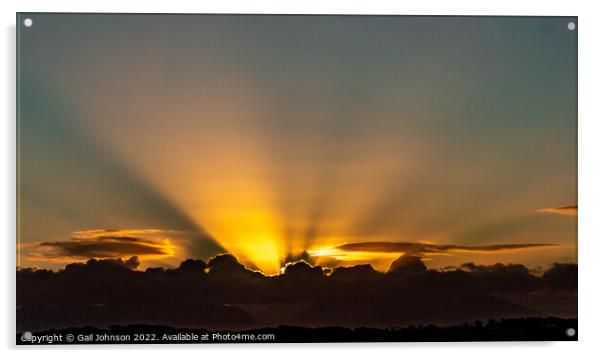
pixel 517 329
pixel 223 294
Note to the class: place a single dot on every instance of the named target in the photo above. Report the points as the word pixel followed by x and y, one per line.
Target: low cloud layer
pixel 105 243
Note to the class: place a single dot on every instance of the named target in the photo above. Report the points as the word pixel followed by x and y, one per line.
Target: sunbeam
pixel 271 147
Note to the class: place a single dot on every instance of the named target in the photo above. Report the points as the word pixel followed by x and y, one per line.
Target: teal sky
pixel 268 136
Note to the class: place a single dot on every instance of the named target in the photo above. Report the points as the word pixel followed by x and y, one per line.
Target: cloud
pixel 427 248
pixel 105 247
pixel 380 254
pixel 228 266
pixel 105 243
pixel 84 234
pixel 562 210
pixel 302 269
pixel 407 265
pixel 561 276
pixel 105 264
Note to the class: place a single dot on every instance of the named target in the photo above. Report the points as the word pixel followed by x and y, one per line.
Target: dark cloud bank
pixel 224 294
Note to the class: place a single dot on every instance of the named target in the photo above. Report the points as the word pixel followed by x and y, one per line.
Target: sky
pixel 339 139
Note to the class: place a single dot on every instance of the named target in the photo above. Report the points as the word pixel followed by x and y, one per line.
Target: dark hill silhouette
pixel 223 294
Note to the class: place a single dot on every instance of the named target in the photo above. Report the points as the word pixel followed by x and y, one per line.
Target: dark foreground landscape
pixel 305 303
pixel 527 329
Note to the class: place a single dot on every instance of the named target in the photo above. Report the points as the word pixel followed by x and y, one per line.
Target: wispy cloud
pixel 105 243
pixel 419 247
pixel 119 232
pixel 562 210
pixel 383 250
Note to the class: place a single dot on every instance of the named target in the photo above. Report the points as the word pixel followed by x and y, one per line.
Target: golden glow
pixel 333 257
pixel 215 147
pixel 341 255
pixel 208 149
pixel 381 256
pixel 250 235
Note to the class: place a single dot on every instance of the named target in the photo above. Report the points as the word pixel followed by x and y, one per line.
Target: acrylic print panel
pixel 289 178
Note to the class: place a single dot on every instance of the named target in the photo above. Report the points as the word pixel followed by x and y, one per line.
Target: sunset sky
pixel 355 139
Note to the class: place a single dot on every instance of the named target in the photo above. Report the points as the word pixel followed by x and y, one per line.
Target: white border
pixel 590 175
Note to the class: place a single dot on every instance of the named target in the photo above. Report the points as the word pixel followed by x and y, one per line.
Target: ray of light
pixel 274 147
